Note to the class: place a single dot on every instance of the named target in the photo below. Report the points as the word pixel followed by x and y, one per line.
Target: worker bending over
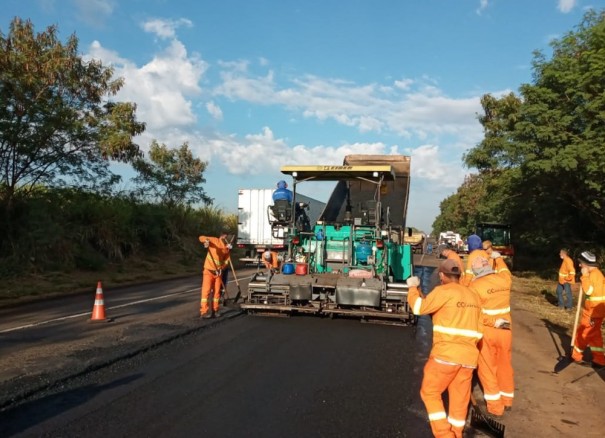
pixel 456 311
pixel 217 260
pixel 271 261
pixel 495 368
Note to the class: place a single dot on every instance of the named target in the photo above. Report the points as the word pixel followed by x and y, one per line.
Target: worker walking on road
pixel 456 311
pixel 567 276
pixel 495 368
pixel 589 330
pixel 475 250
pixel 217 260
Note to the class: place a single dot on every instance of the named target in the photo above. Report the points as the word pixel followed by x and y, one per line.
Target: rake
pixel 482 422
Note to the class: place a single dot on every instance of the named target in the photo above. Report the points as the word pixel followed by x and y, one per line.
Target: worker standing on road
pixel 567 276
pixel 475 250
pixel 589 330
pixel 217 260
pixel 495 368
pixel 456 311
pixel 449 253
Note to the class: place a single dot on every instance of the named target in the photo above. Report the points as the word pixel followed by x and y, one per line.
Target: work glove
pixel 495 254
pixel 501 323
pixel 206 243
pixel 413 281
pixel 229 246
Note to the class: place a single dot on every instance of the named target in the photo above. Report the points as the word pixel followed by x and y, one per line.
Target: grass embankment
pixel 132 271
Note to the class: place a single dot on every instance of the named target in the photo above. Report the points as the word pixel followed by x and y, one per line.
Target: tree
pixel 172 176
pixel 57 123
pixel 542 155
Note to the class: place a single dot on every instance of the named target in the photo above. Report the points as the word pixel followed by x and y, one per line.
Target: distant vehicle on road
pixel 500 236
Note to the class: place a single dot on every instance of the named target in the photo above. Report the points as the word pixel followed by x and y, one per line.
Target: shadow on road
pixel 19 418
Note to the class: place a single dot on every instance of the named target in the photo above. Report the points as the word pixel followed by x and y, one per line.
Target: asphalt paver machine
pixel 354 261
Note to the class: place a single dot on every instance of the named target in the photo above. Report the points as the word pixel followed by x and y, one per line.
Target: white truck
pixel 254 230
pixel 451 238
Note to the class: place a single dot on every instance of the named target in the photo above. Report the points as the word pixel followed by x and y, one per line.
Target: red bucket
pixel 301 269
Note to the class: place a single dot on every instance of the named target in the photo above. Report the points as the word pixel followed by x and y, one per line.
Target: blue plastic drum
pixel 288 269
pixel 362 251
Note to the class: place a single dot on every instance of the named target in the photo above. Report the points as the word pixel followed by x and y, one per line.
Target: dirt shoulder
pixel 548 403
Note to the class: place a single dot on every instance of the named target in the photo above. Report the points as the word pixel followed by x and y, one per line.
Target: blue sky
pixel 254 85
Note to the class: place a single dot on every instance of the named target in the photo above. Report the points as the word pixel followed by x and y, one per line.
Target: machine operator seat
pixel 282 211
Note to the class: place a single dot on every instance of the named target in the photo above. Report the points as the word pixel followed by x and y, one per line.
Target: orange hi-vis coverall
pixel 273 262
pixel 468 273
pixel 495 368
pixel 216 261
pixel 567 271
pixel 453 358
pixel 589 330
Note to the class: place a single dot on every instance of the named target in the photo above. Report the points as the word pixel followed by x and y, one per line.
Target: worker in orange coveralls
pixel 495 368
pixel 271 260
pixel 453 358
pixel 217 260
pixel 589 330
pixel 567 276
pixel 449 253
pixel 475 250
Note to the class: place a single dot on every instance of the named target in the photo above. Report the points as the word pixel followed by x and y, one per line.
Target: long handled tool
pixel 239 289
pixel 575 324
pixel 482 422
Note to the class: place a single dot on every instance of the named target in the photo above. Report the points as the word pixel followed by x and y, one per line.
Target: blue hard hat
pixel 282 184
pixel 474 242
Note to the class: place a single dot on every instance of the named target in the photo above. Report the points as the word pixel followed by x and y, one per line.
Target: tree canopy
pixel 542 158
pixel 172 176
pixel 57 122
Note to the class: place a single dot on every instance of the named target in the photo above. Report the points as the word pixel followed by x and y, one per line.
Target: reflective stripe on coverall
pixel 567 271
pixel 495 369
pixel 468 273
pixel 589 330
pixel 456 313
pixel 217 259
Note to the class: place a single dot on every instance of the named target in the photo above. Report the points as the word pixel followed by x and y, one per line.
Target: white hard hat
pixel 267 255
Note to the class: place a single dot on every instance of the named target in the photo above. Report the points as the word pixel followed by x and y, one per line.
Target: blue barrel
pixel 362 251
pixel 288 269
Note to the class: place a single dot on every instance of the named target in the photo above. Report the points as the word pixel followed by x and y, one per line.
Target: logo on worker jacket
pixel 463 304
pixel 495 291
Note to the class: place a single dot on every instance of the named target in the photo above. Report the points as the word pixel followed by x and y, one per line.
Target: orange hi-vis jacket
pixel 468 273
pixel 218 253
pixel 567 271
pixel 593 286
pixel 494 294
pixel 456 326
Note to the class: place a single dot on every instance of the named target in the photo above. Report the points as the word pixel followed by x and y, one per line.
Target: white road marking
pixel 63 318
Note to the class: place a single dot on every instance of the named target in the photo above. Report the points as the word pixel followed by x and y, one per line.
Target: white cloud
pixel 214 110
pixel 94 12
pixel 566 6
pixel 368 107
pixel 429 164
pixel 482 6
pixel 165 28
pixel 162 88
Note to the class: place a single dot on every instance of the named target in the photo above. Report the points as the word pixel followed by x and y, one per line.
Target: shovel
pixel 239 289
pixel 482 422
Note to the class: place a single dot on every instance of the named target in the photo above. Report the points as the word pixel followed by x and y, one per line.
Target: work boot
pixel 206 315
pixel 216 314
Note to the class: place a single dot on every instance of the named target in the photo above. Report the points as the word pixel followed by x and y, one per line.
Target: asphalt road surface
pixel 239 376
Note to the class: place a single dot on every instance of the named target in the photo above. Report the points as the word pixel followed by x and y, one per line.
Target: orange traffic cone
pixel 98 310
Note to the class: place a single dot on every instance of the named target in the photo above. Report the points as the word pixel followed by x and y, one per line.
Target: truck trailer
pixel 354 261
pixel 255 232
